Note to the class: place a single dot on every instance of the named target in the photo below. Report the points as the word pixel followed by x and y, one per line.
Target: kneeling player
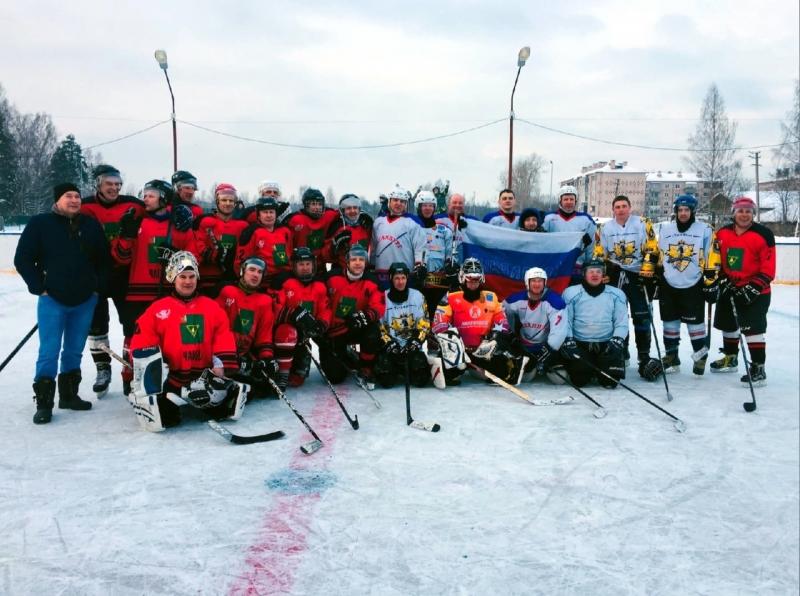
pixel 192 334
pixel 404 327
pixel 251 319
pixel 597 319
pixel 536 316
pixel 476 318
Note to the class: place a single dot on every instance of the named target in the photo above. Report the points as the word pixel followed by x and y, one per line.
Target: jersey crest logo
pixel 289 293
pixel 244 322
pixel 230 301
pixel 475 312
pixel 346 305
pixel 163 315
pixel 192 329
pixel 734 258
pixel 680 255
pixel 625 251
pixel 279 254
pixel 402 325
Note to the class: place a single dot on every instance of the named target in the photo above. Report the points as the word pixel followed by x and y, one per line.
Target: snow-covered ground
pixel 507 499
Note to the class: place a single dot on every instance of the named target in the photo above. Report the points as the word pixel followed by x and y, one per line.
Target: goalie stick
pixel 419 425
pixel 558 401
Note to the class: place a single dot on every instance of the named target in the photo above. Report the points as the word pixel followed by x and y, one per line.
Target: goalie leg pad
pixel 147 371
pixel 437 372
pixel 452 350
pixel 148 411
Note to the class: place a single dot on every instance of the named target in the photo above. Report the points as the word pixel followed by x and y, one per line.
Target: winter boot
pixel 728 363
pixel 671 362
pixel 103 379
pixel 757 375
pixel 45 392
pixel 68 384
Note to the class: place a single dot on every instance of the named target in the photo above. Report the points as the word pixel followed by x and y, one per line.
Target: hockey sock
pixel 730 342
pixel 96 345
pixel 642 343
pixel 697 335
pixel 757 344
pixel 672 336
pixel 127 373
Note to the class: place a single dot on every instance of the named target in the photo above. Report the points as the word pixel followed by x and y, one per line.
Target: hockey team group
pixel 230 302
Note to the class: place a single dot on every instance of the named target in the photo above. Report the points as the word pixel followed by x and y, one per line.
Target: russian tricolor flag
pixel 507 254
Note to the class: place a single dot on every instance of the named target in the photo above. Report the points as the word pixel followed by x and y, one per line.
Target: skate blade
pixel 727 369
pixel 746 385
pixel 671 370
pixel 101 394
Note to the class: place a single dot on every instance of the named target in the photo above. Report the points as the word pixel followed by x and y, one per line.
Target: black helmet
pixel 102 170
pixel 303 253
pixel 594 263
pixel 266 203
pixel 163 188
pixel 183 177
pixel 401 268
pixel 312 194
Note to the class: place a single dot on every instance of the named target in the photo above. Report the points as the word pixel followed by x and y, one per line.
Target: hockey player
pixel 748 268
pixel 456 219
pixel 404 327
pixel 567 219
pixel 441 270
pixel 146 246
pixel 597 325
pixel 184 184
pixel 537 317
pixel 251 317
pixel 683 245
pixel 302 313
pixel 475 317
pixel 505 216
pixel 310 225
pixel 397 238
pixel 627 241
pixel 63 258
pixel 352 227
pixel 357 305
pixel 217 241
pixel 268 240
pixel 529 220
pixel 108 206
pixel 192 334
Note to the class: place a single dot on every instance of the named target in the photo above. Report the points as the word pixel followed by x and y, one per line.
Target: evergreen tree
pixel 69 165
pixel 8 158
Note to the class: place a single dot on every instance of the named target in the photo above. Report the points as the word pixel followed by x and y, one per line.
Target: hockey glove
pixel 650 369
pixel 746 294
pixel 586 240
pixel 341 241
pixel 393 348
pixel 420 273
pixel 365 221
pixel 711 292
pixel 412 345
pixel 547 359
pixel 264 369
pixel 357 320
pixel 306 324
pixel 225 256
pixel 485 349
pixel 182 218
pixel 615 348
pixel 462 222
pixel 570 350
pixel 129 225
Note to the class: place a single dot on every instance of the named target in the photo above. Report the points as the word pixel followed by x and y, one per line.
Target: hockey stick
pixel 600 412
pixel 749 406
pixel 353 421
pixel 558 401
pixel 434 428
pixel 680 425
pixel 19 346
pixel 366 388
pixel 212 424
pixel 655 339
pixel 311 446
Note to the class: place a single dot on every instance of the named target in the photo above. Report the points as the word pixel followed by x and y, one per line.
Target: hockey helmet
pixel 399 193
pixel 269 186
pixel 224 188
pixel 567 189
pixel 253 260
pixel 594 263
pixel 303 253
pixel 535 273
pixel 104 170
pixel 356 250
pixel 264 203
pixel 183 178
pixel 399 268
pixel 743 202
pixel 163 188
pixel 471 268
pixel 426 197
pixel 312 194
pixel 685 201
pixel 179 262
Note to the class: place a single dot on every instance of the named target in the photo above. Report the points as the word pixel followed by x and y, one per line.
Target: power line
pixel 621 144
pixel 342 147
pixel 128 136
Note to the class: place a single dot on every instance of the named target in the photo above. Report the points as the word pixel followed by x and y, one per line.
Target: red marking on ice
pixel 272 561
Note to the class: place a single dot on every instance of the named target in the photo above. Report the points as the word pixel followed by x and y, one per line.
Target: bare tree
pixel 36 142
pixel 525 179
pixel 787 191
pixel 788 154
pixel 711 148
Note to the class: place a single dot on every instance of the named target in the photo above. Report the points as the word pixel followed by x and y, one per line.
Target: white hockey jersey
pixel 579 222
pixel 623 243
pixel 396 240
pixel 681 252
pixel 596 318
pixel 404 320
pixel 544 321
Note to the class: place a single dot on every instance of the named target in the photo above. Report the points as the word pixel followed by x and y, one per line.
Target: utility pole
pixel 755 155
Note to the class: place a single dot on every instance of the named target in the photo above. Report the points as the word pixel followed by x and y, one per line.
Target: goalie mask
pixel 179 262
pixel 471 269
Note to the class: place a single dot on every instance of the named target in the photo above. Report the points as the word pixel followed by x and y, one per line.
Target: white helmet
pixel 399 193
pixel 567 190
pixel 534 273
pixel 179 262
pixel 426 197
pixel 269 185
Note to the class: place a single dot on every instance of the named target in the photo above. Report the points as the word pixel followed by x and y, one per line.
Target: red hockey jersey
pixel 348 296
pixel 749 257
pixel 251 319
pixel 310 232
pixel 213 232
pixel 274 246
pixel 313 296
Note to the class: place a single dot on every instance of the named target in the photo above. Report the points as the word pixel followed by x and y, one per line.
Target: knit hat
pixel 743 202
pixel 60 189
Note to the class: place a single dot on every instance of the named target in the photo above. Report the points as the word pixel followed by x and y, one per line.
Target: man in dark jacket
pixel 63 257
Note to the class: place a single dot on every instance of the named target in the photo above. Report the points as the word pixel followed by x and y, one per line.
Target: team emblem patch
pixel 680 255
pixel 346 305
pixel 244 321
pixel 192 329
pixel 734 258
pixel 625 251
pixel 163 315
pixel 475 312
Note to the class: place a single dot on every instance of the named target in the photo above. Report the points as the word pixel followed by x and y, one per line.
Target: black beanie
pixel 60 189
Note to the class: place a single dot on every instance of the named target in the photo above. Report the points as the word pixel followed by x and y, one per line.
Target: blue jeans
pixel 57 322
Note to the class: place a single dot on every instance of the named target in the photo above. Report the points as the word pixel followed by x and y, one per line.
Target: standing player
pixel 310 225
pixel 529 220
pixel 193 336
pixel 184 184
pixel 217 241
pixel 625 240
pixel 352 227
pixel 357 305
pixel 567 219
pixel 396 238
pixel 682 244
pixel 505 216
pixel 597 317
pixel 536 315
pixel 442 271
pixel 404 327
pixel 475 317
pixel 748 268
pixel 268 240
pixel 108 206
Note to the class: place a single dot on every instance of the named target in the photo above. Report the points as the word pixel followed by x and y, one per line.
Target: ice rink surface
pixel 507 499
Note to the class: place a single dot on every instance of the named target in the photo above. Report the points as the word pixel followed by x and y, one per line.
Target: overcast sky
pixel 348 74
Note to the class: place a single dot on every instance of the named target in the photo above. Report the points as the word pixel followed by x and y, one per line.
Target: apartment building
pixel 662 188
pixel 599 183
